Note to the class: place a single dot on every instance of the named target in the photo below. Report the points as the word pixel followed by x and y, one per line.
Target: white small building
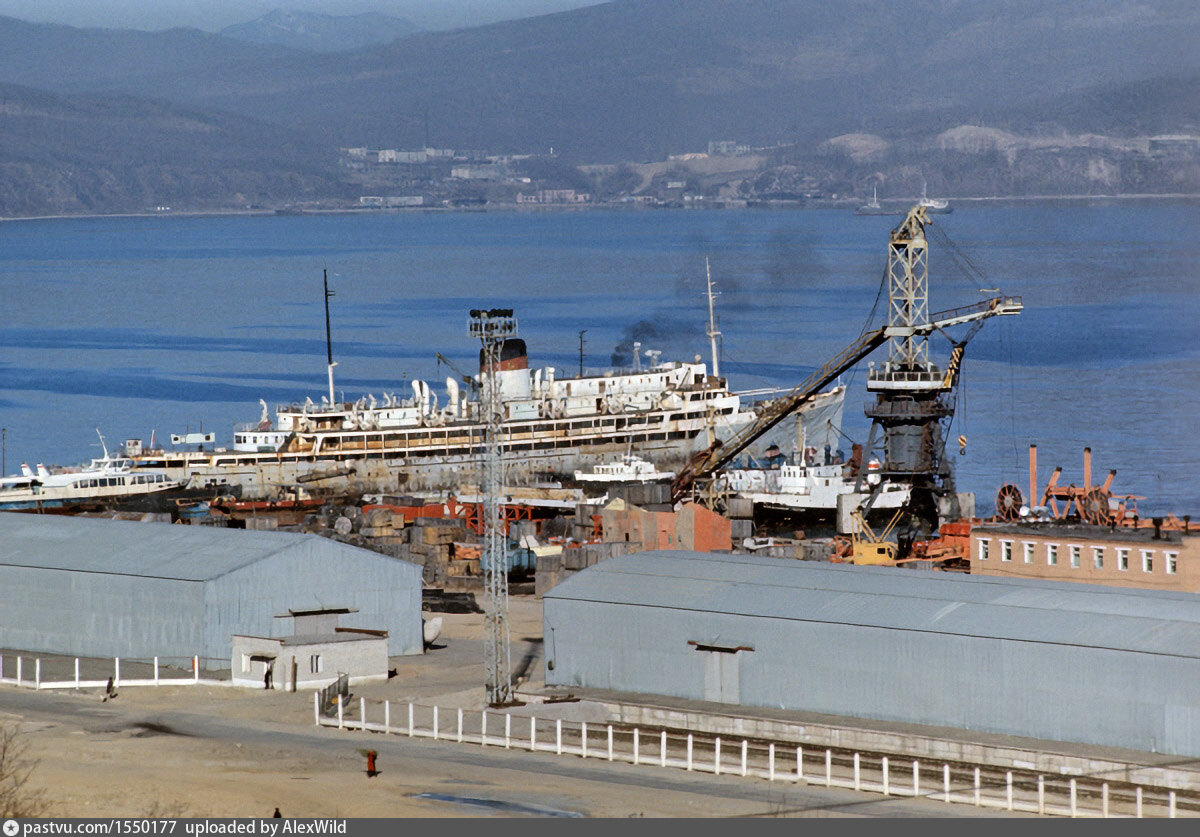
pixel 315 654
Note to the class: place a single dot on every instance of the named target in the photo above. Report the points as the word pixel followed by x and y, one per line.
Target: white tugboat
pixel 631 468
pixel 106 482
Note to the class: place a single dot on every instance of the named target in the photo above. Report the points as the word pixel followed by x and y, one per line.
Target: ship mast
pixel 328 339
pixel 713 334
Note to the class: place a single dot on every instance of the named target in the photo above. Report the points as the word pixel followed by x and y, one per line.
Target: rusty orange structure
pixel 1089 503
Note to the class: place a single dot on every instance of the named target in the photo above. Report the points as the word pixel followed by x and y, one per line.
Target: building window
pixel 1005 550
pixel 1098 557
pixel 983 549
pixel 1147 560
pixel 1075 551
pixel 314 664
pixel 1028 552
pixel 1122 559
pixel 1052 554
pixel 1172 562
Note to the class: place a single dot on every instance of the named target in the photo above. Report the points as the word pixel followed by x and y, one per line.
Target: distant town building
pixel 727 148
pixel 554 196
pixel 410 157
pixel 390 202
pixel 476 172
pixel 1174 146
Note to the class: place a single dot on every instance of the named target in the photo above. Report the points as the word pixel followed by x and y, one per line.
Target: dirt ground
pixel 211 751
pixel 127 758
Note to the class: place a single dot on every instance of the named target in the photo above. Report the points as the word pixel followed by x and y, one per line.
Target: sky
pixel 212 15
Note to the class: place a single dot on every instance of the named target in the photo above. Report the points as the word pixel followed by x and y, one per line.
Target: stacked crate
pixel 383 527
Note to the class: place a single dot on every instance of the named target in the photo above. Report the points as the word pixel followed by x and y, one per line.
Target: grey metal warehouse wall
pixel 91 614
pixel 316 573
pixel 115 588
pixel 1049 660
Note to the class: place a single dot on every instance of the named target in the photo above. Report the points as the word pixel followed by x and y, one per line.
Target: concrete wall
pixel 702 530
pixel 694 528
pixel 1068 692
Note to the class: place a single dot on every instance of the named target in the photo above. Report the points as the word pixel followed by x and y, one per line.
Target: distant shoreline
pixel 848 203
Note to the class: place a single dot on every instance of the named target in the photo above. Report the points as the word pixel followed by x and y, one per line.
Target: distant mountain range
pixel 313 32
pixel 633 80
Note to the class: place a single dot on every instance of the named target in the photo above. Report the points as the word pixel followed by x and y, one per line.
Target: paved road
pixel 462 779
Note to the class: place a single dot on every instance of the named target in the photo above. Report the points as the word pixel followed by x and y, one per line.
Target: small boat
pixel 288 509
pixel 106 482
pixel 812 488
pixel 631 468
pixel 933 206
pixel 873 208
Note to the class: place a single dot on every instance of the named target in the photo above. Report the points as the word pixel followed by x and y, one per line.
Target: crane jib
pixel 720 453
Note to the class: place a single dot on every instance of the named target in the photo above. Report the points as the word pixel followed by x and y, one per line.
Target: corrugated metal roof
pixel 158 550
pixel 979 606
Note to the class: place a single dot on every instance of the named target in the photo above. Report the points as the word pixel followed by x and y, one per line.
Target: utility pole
pixel 492 327
pixel 581 333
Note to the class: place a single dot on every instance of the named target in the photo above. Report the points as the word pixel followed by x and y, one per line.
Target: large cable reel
pixel 1009 502
pixel 1094 507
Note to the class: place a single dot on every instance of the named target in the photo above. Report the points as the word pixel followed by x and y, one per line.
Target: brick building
pixel 1124 557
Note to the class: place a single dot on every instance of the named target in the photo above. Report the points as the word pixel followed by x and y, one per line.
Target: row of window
pixel 1075 555
pixel 111 482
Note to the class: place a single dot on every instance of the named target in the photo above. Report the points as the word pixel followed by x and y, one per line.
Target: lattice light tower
pixel 911 391
pixel 492 327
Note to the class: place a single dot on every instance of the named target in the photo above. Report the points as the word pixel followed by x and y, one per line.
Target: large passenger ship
pixel 551 426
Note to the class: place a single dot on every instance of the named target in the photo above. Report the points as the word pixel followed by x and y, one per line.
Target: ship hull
pixel 437 460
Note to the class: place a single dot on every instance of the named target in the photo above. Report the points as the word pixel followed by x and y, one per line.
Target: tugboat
pixel 631 468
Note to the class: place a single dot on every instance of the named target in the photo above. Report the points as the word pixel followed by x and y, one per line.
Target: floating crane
pixel 910 388
pixel 914 398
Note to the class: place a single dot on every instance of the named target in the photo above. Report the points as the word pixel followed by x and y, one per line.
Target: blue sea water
pixel 159 325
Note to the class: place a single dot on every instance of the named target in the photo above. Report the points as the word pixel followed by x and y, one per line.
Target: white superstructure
pixel 552 425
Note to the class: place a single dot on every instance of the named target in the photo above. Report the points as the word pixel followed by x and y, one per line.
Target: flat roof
pixel 1085 532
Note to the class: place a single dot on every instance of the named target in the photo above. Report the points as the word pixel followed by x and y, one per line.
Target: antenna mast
pixel 492 327
pixel 328 339
pixel 713 334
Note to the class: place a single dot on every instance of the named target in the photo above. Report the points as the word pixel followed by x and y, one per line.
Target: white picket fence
pixel 29 675
pixel 981 787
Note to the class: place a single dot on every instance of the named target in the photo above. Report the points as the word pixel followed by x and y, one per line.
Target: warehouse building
pixel 104 588
pixel 1045 659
